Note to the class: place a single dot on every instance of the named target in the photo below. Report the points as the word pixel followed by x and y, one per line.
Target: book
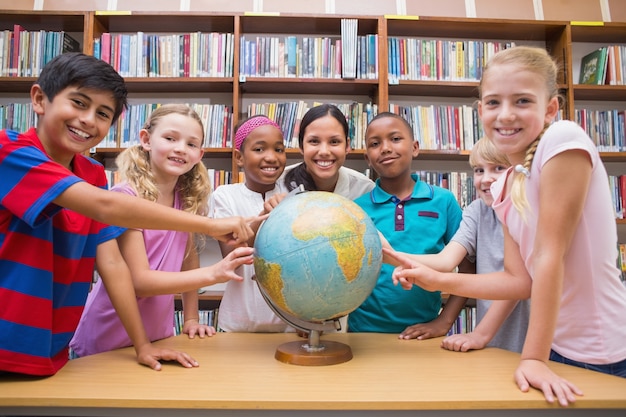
pixel 593 67
pixel 349 43
pixel 14 69
pixel 69 44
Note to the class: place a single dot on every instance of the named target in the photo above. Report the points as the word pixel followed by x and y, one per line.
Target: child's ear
pixel 38 98
pixel 239 158
pixel 551 110
pixel 415 149
pixel 144 139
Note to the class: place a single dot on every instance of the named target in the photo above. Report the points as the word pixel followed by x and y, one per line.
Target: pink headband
pixel 249 125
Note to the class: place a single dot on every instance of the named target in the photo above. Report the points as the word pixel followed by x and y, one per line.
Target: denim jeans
pixel 617 368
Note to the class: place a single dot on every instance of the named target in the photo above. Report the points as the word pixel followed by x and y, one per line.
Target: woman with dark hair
pixel 324 144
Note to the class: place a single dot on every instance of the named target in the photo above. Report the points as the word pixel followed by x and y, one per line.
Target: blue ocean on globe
pixel 317 256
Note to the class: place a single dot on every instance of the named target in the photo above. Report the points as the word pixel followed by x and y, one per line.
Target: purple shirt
pixel 100 328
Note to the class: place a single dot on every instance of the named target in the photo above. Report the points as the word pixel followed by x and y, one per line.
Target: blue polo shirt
pixel 423 223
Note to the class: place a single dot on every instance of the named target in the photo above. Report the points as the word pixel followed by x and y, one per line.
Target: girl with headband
pixel 260 152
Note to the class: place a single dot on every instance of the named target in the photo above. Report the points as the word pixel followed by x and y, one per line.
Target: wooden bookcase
pixel 562 39
pixel 606 97
pixel 75 23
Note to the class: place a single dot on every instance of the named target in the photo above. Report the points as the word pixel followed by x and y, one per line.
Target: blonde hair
pixel 134 167
pixel 484 150
pixel 538 61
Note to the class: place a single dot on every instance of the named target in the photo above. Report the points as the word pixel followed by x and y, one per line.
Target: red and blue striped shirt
pixel 47 254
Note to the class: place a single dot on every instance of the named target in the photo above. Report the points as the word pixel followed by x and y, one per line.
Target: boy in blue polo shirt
pixel 414 217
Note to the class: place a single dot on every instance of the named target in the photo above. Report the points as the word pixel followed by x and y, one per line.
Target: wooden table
pixel 238 376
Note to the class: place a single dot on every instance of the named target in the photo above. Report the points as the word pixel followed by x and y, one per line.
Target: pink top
pixel 100 328
pixel 590 324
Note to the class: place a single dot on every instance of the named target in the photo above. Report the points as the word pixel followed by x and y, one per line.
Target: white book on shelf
pixel 349 30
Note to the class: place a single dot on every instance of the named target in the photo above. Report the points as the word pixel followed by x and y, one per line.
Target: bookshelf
pixel 75 24
pixel 566 41
pixel 584 39
pixel 306 88
pixel 156 89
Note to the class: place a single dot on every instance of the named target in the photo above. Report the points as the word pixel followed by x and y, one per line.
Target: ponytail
pixel 297 176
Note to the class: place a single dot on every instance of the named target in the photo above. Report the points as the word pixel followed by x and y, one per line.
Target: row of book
pixel 206 317
pixel 216 118
pixel 617 183
pixel 307 57
pixel 17 116
pixel 438 59
pixel 435 127
pixel 606 65
pixel 194 54
pixel 606 128
pixel 621 261
pixel 442 127
pixel 465 322
pixel 461 184
pixel 217 177
pixel 24 53
pixel 289 114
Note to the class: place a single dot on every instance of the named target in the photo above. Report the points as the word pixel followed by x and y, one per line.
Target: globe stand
pixel 313 352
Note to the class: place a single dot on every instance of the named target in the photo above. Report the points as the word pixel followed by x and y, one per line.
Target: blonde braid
pixel 518 189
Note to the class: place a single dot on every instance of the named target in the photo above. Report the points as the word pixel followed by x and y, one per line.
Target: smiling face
pixel 262 157
pixel 485 174
pixel 324 149
pixel 514 108
pixel 76 120
pixel 390 147
pixel 174 144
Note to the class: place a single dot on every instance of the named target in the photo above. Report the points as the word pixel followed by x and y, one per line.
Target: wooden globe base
pixel 296 353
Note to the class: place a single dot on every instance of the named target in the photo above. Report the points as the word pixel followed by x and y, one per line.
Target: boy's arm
pixel 485 331
pixel 497 313
pixel 124 210
pixel 446 318
pixel 116 278
pixel 452 308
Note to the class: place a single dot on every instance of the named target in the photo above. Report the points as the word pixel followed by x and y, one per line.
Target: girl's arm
pixel 562 193
pixel 191 315
pixel 128 211
pixel 445 261
pixel 117 281
pixel 149 282
pixel 513 283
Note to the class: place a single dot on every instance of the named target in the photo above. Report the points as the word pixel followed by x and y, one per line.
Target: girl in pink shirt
pixel 166 167
pixel 559 230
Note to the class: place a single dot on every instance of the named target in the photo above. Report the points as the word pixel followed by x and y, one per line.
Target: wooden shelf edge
pixel 206 296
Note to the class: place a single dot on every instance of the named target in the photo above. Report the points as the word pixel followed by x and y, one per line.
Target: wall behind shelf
pixel 575 10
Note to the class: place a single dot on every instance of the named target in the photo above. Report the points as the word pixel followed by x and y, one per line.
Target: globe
pixel 317 258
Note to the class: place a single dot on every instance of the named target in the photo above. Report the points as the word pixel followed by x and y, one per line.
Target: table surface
pixel 238 371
